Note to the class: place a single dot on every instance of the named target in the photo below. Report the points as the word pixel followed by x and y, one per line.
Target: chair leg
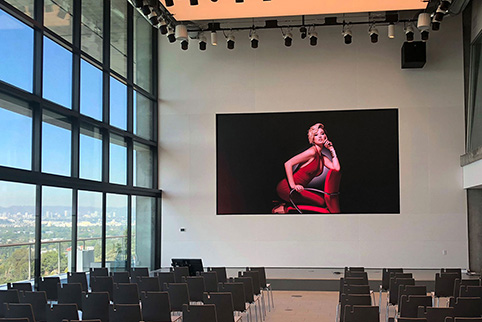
pixel 272 300
pixel 337 316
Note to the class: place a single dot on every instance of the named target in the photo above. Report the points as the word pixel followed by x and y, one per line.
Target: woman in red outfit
pixel 312 162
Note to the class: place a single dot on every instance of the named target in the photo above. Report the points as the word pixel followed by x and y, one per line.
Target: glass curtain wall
pixel 78 173
pixel 475 111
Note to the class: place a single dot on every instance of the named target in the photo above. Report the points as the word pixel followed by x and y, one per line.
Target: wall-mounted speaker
pixel 414 54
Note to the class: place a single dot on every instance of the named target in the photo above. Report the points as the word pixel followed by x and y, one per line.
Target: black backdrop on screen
pixel 252 148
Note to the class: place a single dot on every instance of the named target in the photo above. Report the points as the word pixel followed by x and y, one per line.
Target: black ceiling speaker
pixel 414 54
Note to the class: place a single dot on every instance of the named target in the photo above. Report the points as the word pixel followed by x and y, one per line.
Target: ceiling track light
pixel 409 32
pixel 146 10
pixel 435 25
pixel 153 18
pixel 391 30
pixel 254 38
pixel 347 35
pixel 214 38
pixel 163 26
pixel 313 35
pixel 445 4
pixel 439 14
pixel 169 3
pixel 170 35
pixel 303 32
pixel 138 3
pixel 373 32
pixel 184 44
pixel 288 37
pixel 202 42
pixel 230 41
pixel 423 24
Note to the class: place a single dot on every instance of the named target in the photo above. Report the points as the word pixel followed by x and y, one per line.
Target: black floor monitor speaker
pixel 414 54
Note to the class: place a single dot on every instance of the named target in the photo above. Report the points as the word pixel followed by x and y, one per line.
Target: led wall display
pixel 268 164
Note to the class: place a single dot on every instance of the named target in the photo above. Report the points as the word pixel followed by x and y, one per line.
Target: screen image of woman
pixel 294 191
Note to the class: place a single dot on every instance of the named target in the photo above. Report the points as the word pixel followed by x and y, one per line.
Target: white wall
pixel 195 85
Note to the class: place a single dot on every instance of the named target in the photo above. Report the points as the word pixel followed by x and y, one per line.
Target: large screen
pixel 300 163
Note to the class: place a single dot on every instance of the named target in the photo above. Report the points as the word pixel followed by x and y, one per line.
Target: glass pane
pixel 17 215
pixel 475 134
pixel 92 27
pixel 89 231
pixel 16 62
pixel 118 160
pixel 118 36
pixel 58 17
pixel 16 125
pixel 116 232
pixel 25 6
pixel 142 52
pixel 143 223
pixel 118 104
pixel 57 73
pixel 90 90
pixel 90 154
pixel 143 116
pixel 143 162
pixel 56 231
pixel 56 144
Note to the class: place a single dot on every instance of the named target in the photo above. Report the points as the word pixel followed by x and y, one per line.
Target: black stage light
pixel 424 34
pixel 146 10
pixel 288 39
pixel 409 33
pixel 445 5
pixel 347 36
pixel 163 27
pixel 139 3
pixel 254 39
pixel 184 44
pixel 230 42
pixel 373 32
pixel 313 38
pixel 435 25
pixel 202 45
pixel 171 36
pixel 303 32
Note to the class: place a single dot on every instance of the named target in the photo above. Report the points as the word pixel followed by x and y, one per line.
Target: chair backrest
pixel 457 319
pixel 21 286
pixel 256 282
pixel 470 291
pixel 121 277
pixel 165 277
pixel 19 310
pixel 49 286
pixel 148 284
pixel 221 271
pixel 354 299
pixel 14 320
pixel 178 295
pixel 210 281
pixel 408 306
pixel 332 186
pixel 411 290
pixel 196 287
pixel 126 293
pixel 248 287
pixel 137 272
pixel 466 306
pixel 180 272
pixel 59 312
pixel 262 275
pixel 102 284
pixel 237 291
pixel 9 296
pixel 386 272
pixel 224 305
pixel 458 283
pixel 353 281
pixel 361 313
pixel 156 306
pixel 38 300
pixel 444 284
pixel 99 271
pixel 351 269
pixel 363 275
pixel 457 271
pixel 412 319
pixel 95 305
pixel 435 314
pixel 356 289
pixel 70 293
pixel 125 313
pixel 199 313
pixel 78 277
pixel 394 288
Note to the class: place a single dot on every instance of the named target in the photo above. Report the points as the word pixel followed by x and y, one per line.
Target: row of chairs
pixel 408 299
pixel 246 289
